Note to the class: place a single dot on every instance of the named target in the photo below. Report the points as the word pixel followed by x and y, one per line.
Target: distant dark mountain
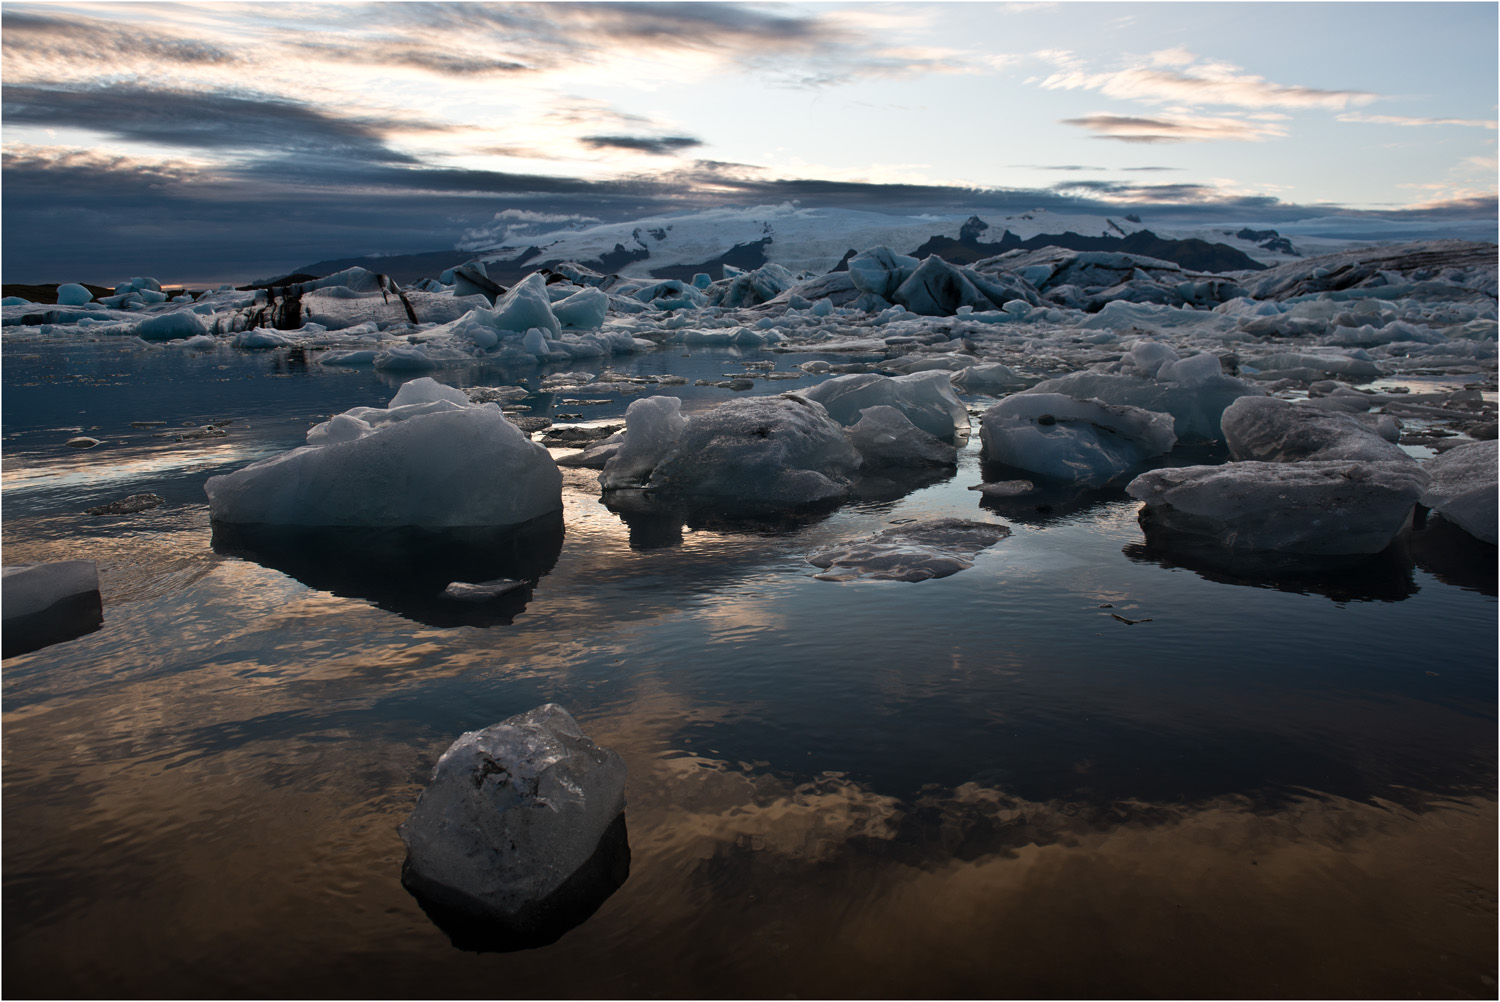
pixel 1267 240
pixel 1193 254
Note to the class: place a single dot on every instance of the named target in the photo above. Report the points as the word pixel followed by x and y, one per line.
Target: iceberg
pixel 885 437
pixel 760 451
pixel 513 830
pixel 1085 442
pixel 926 398
pixel 429 459
pixel 1463 488
pixel 1196 405
pixel 1323 508
pixel 1266 428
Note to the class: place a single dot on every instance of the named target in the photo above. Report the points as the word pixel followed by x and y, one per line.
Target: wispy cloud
pixel 208 120
pixel 1354 116
pixel 1175 129
pixel 655 145
pixel 1178 76
pixel 32 41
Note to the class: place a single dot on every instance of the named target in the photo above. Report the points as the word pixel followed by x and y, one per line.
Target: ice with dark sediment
pixel 934 548
pixel 431 458
pixel 1314 508
pixel 1463 488
pixel 511 814
pixel 1274 430
pixel 1063 438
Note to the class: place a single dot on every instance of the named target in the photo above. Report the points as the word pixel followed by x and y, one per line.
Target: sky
pixel 222 142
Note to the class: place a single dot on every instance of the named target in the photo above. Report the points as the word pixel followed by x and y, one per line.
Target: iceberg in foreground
pixel 429 459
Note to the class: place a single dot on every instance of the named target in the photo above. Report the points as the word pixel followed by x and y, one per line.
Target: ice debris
pixel 511 828
pixel 934 548
pixel 430 458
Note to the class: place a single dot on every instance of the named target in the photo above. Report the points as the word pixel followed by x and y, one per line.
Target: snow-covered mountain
pixel 817 239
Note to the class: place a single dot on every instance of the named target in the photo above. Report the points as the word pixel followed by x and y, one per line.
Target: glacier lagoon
pixel 1082 766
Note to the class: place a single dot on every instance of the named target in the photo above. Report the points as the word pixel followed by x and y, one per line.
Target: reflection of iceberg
pixel 46 604
pixel 546 920
pixel 405 570
pixel 1452 555
pixel 1384 576
pixel 657 522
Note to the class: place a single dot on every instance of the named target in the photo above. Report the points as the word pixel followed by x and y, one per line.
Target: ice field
pixel 1067 622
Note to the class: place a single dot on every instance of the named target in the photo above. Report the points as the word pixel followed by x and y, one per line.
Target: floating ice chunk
pixel 171 326
pixel 1195 407
pixel 583 310
pixel 1082 441
pixel 932 549
pixel 880 271
pixel 511 813
pixel 763 450
pixel 1318 508
pixel 1265 428
pixel 653 426
pixel 926 398
pixel 362 356
pixel 989 377
pixel 481 591
pixel 525 306
pixel 73 294
pixel 1463 488
pixel 259 338
pixel 885 437
pixel 17 301
pixel 202 342
pixel 427 460
pixel 671 295
pixel 45 604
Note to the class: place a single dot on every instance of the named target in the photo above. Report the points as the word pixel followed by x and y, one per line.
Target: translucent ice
pixel 510 814
pixel 880 270
pixel 1082 441
pixel 73 294
pixel 926 398
pixel 525 306
pixel 652 427
pixel 885 437
pixel 584 310
pixel 429 459
pixel 171 326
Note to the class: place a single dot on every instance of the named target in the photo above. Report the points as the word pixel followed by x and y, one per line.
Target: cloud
pixel 29 39
pixel 445 60
pixel 1407 120
pixel 1174 129
pixel 209 120
pixel 1176 75
pixel 655 145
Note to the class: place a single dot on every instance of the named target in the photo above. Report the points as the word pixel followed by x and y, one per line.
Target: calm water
pixel 981 785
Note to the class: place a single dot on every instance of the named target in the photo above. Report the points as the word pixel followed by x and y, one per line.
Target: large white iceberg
pixel 1082 441
pixel 430 458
